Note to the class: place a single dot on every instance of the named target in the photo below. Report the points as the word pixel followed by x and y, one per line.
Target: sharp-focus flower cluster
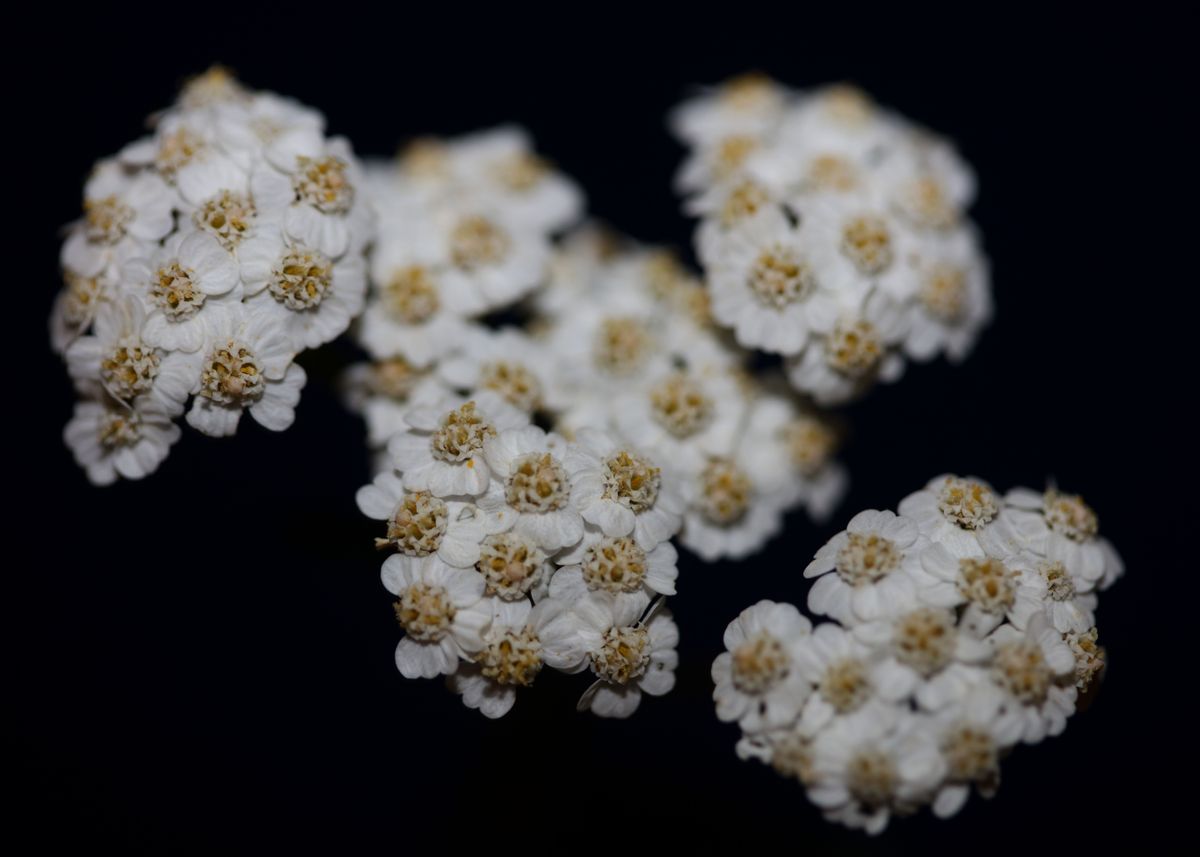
pixel 547 412
pixel 832 232
pixel 209 254
pixel 961 627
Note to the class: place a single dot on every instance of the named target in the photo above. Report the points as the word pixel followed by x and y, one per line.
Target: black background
pixel 202 662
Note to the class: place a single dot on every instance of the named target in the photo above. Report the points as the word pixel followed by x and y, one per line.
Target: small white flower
pixel 757 682
pixel 531 486
pixel 992 589
pixel 506 361
pixel 848 675
pixel 972 734
pixel 748 103
pixel 117 357
pixel 246 364
pixel 76 306
pixel 629 654
pixel 179 285
pixel 727 514
pixel 1064 529
pixel 953 299
pixel 874 560
pixel 520 640
pixel 857 352
pixel 442 611
pixel 442 449
pixel 1035 669
pixel 513 567
pixel 958 513
pixel 184 151
pixel 317 183
pixel 124 213
pixel 867 766
pixel 110 438
pixel 623 492
pixel 616 565
pixel 312 296
pixel 767 286
pixel 419 524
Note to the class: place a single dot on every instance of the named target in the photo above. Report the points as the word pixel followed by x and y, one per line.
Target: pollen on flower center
pixel 1089 657
pixel 971 756
pixel 988 583
pixel 215 86
pixel 810 443
pixel 847 104
pixel 792 756
pixel 866 558
pixel 174 292
pixel 680 406
pixel 231 374
pixel 759 664
pixel 410 295
pixel 129 369
pixel 845 685
pixel 731 153
pixel 417 525
pixel 461 434
pixel 1020 668
pixel 924 639
pixel 520 171
pixel 614 565
pixel 749 91
pixel 871 777
pixel 513 381
pixel 925 204
pixel 82 296
pixel 537 484
pixel 176 151
pixel 725 492
pixel 227 217
pixel 780 277
pixel 118 427
pixel 424 157
pixel 515 658
pixel 105 219
pixel 1068 515
pixel 301 279
pixel 853 348
pixel 867 243
pixel 745 200
pixel 425 612
pixel 1059 585
pixel 967 504
pixel 476 242
pixel 832 173
pixel 631 481
pixel 623 656
pixel 944 292
pixel 322 183
pixel 395 378
pixel 510 565
pixel 622 344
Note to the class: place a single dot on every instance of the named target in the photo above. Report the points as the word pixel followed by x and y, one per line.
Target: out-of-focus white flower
pixel 757 681
pixel 749 103
pixel 1036 671
pixel 1065 529
pixel 507 362
pixel 111 438
pixel 442 611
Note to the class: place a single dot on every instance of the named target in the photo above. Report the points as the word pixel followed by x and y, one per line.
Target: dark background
pixel 201 662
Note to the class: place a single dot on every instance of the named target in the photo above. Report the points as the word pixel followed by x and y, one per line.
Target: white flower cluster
pixel 518 547
pixel 832 232
pixel 962 626
pixel 208 256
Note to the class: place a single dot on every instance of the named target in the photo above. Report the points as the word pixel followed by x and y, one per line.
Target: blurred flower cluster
pixel 960 627
pixel 209 255
pixel 832 232
pixel 548 405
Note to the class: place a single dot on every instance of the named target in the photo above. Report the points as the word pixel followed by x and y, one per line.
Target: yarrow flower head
pixel 227 241
pixel 958 636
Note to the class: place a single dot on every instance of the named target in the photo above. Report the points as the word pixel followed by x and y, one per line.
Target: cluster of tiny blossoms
pixel 209 254
pixel 548 407
pixel 832 232
pixel 961 627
